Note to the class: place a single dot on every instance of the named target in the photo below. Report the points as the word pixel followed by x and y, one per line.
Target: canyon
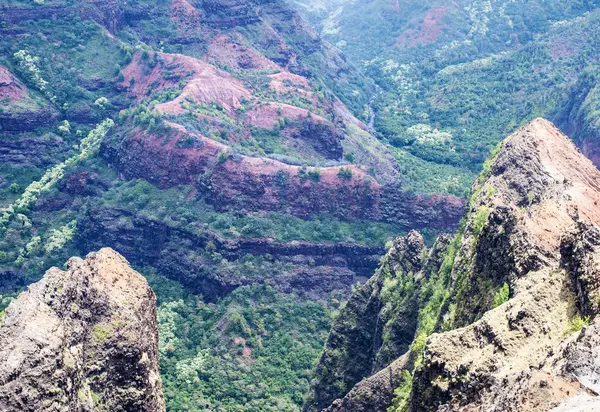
pixel 290 208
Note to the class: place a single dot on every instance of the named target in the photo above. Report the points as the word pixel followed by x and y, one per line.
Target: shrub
pixel 501 296
pixel 282 178
pixel 480 220
pixel 65 128
pixel 28 65
pixel 101 103
pixel 576 324
pixel 222 158
pixel 314 175
pixel 402 393
pixel 345 173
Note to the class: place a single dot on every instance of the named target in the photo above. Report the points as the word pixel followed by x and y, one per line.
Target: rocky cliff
pixel 193 256
pixel 84 339
pixel 379 320
pixel 21 109
pixel 499 320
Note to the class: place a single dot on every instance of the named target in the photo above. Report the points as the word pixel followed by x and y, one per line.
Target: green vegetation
pixel 447 97
pixel 577 323
pixel 28 66
pixel 88 147
pixel 439 108
pixel 345 173
pixel 251 351
pixel 435 295
pixel 481 218
pixel 501 296
pixel 101 333
pixel 430 177
pixel 175 206
pixel 402 393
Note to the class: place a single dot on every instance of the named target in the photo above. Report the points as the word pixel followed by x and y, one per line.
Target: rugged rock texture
pixel 374 393
pixel 580 251
pixel 376 326
pixel 82 183
pixel 539 186
pixel 31 150
pixel 106 12
pixel 532 235
pixel 323 139
pixel 532 224
pixel 257 184
pixel 415 210
pixel 254 184
pixel 81 340
pixel 275 103
pixel 243 183
pixel 184 254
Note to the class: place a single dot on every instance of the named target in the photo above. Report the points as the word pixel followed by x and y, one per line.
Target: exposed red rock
pixel 204 82
pixel 268 115
pixel 224 50
pixel 427 32
pixel 159 159
pixel 21 112
pixel 186 17
pixel 257 184
pixel 264 184
pixel 10 87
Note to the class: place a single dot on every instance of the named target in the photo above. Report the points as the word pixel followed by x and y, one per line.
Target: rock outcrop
pixel 20 111
pixel 378 323
pixel 251 184
pixel 188 255
pixel 499 327
pixel 31 150
pixel 84 339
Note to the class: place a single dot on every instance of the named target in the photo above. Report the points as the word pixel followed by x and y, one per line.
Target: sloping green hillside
pixel 456 78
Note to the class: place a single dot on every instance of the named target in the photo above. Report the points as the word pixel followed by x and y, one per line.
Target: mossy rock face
pixel 105 351
pixel 524 261
pixel 378 323
pixel 520 277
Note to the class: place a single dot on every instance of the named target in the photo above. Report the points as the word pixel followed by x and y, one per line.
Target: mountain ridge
pixel 503 299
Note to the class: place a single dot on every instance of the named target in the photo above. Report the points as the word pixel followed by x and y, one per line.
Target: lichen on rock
pixel 84 339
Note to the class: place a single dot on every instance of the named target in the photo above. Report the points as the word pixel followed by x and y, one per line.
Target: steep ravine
pixel 499 318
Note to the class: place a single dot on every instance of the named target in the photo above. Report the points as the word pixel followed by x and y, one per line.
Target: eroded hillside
pixel 494 322
pixel 215 145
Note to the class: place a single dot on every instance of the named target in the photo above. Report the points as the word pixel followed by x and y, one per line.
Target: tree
pixel 345 173
pixel 65 128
